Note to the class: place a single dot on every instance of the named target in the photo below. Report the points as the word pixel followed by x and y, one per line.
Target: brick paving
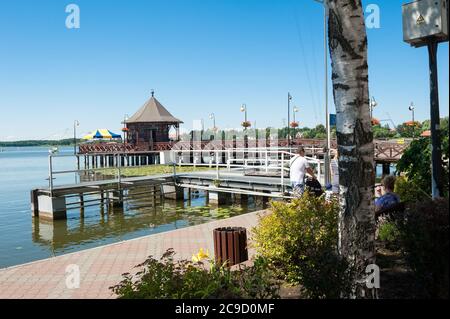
pixel 103 266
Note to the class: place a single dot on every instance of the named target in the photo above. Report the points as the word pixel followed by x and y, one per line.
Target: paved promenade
pixel 103 266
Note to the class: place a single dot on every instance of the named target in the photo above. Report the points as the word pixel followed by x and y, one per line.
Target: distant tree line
pixel 405 130
pixel 63 142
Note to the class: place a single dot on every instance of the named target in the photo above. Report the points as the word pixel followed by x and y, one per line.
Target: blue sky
pixel 200 56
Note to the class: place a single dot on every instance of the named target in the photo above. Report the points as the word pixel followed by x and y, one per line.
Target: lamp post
pixel 294 123
pixel 372 104
pixel 327 120
pixel 295 111
pixel 212 116
pixel 289 121
pixel 125 129
pixel 411 108
pixel 244 109
pixel 75 124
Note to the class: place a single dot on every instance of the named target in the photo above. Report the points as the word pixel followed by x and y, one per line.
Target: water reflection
pixel 140 216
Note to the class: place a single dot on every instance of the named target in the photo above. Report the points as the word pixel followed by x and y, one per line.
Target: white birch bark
pixel 348 49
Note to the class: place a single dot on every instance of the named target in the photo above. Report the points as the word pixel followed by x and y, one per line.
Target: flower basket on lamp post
pixel 246 124
pixel 375 122
pixel 294 124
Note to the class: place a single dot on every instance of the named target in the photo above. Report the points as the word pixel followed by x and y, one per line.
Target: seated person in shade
pixel 389 198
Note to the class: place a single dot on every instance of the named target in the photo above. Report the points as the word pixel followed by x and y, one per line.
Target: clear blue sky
pixel 200 56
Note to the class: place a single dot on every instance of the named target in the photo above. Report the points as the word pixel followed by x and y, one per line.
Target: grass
pixel 151 170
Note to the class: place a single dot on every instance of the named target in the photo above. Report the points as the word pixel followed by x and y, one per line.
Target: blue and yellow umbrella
pixel 101 134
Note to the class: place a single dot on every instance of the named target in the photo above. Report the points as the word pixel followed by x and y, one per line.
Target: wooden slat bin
pixel 230 245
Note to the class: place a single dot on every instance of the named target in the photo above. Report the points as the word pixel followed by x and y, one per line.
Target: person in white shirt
pixel 299 166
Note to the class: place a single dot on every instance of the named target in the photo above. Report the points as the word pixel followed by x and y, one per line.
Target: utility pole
pixel 425 23
pixel 327 113
pixel 436 152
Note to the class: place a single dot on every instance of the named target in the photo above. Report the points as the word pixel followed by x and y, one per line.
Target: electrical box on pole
pixel 423 19
pixel 425 23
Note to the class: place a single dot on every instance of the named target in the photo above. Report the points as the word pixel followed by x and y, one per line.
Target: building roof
pixel 426 133
pixel 152 112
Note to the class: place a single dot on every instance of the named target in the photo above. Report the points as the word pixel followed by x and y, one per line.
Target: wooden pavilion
pixel 151 125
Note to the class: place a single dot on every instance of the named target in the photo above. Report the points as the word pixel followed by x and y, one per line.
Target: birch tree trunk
pixel 348 49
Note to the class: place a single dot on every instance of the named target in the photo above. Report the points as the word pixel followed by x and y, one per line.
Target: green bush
pixel 408 191
pixel 170 279
pixel 424 235
pixel 415 162
pixel 388 232
pixel 300 240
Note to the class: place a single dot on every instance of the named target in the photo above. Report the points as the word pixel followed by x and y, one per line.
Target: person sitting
pixel 389 199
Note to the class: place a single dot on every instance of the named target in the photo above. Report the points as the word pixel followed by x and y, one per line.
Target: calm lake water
pixel 24 238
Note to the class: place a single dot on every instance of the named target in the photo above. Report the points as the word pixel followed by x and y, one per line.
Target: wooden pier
pixel 53 203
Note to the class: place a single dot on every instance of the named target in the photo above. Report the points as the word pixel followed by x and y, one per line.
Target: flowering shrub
pixel 300 240
pixel 170 279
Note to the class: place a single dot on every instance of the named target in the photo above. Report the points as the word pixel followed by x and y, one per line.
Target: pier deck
pixel 53 203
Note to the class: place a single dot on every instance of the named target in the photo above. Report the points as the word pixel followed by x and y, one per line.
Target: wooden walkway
pixel 385 151
pixel 102 267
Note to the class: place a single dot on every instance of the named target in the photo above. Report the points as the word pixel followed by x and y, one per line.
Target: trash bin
pixel 230 245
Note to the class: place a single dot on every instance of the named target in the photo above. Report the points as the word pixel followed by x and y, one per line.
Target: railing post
pixel 217 165
pixel 119 169
pixel 267 161
pixel 50 175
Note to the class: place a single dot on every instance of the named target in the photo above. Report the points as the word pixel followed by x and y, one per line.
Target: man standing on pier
pixel 299 166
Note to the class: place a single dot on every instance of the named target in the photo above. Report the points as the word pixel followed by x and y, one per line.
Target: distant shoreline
pixel 27 143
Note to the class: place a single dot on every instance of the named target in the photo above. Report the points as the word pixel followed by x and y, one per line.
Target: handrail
pixel 266 161
pixel 77 156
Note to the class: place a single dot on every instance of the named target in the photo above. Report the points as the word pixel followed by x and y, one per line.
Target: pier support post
pixel 262 201
pixel 173 192
pixel 116 199
pixel 241 199
pixel 34 203
pixel 218 198
pixel 52 207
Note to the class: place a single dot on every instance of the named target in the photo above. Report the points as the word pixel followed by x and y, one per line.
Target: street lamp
pixel 295 111
pixel 294 124
pixel 244 110
pixel 212 116
pixel 289 120
pixel 411 108
pixel 75 124
pixel 125 129
pixel 372 104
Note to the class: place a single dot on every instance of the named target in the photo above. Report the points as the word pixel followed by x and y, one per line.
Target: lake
pixel 24 238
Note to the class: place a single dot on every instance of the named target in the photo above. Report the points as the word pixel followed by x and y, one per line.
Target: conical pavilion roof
pixel 153 112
